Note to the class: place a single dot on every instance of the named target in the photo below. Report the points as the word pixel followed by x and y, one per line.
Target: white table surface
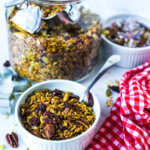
pixel 115 73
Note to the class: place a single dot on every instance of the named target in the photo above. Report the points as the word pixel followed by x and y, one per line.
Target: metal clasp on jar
pixel 71 14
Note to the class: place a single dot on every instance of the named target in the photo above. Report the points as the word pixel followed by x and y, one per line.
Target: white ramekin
pixel 77 143
pixel 130 57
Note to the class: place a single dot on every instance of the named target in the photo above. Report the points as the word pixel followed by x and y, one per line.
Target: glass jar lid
pixel 11 3
pixel 54 2
pixel 31 12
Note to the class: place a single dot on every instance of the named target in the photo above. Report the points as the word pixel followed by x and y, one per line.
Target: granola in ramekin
pixel 56 115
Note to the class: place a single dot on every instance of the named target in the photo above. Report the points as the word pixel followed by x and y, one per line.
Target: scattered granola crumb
pixel 109 83
pixel 108 72
pixel 25 148
pixel 111 86
pixel 117 82
pixel 14 124
pixel 108 92
pixel 109 103
pixel 22 89
pixel 29 84
pixel 14 130
pixel 7 115
pixel 12 97
pixel 2 147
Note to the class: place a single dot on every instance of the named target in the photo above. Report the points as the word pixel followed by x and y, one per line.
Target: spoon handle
pixel 112 60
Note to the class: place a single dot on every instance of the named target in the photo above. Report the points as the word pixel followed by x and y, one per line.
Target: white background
pixel 104 8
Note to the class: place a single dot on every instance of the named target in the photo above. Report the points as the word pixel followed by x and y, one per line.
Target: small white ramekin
pixel 77 143
pixel 130 57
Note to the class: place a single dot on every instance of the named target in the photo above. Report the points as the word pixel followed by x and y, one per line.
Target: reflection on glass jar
pixel 58 50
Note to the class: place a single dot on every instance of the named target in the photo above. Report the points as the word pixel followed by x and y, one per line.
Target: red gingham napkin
pixel 128 125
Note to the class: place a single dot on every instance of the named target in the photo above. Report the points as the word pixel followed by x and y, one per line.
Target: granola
pixel 58 50
pixel 112 87
pixel 55 115
pixel 48 11
pixel 129 33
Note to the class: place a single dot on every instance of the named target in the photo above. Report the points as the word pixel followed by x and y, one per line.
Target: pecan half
pixel 12 139
pixel 49 130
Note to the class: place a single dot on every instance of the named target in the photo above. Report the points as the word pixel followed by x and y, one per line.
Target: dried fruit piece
pixel 47 120
pixel 90 99
pixel 35 121
pixel 41 108
pixel 57 92
pixel 12 139
pixel 7 63
pixel 114 88
pixel 49 130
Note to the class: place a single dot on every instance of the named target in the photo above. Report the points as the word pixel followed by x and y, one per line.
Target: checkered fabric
pixel 128 125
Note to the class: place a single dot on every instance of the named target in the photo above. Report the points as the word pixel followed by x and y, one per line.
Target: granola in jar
pixel 55 115
pixel 58 50
pixel 48 11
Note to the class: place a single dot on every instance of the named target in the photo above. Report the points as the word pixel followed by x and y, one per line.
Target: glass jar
pixel 65 46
